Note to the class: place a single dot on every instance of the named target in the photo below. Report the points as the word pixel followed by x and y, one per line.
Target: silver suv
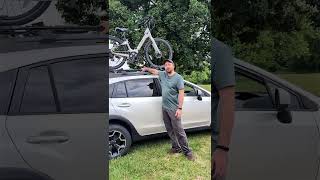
pixel 52 108
pixel 135 109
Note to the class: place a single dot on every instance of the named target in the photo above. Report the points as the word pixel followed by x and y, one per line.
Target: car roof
pixel 12 60
pixel 113 78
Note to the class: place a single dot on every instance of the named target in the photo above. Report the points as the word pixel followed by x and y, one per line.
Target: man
pixel 172 87
pixel 223 81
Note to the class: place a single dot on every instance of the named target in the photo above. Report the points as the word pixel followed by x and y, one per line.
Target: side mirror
pixel 283 100
pixel 199 94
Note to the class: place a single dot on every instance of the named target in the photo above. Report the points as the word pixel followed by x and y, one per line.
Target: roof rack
pixel 54 29
pixel 37 37
pixel 128 72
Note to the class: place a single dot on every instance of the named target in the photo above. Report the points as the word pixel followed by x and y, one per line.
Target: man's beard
pixel 169 71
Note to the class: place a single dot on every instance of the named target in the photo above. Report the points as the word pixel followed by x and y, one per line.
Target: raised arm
pixel 150 70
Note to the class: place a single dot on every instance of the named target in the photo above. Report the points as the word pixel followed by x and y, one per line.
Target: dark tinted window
pixel 251 93
pixel 119 90
pixel 6 84
pixel 111 86
pixel 38 95
pixel 141 88
pixel 81 85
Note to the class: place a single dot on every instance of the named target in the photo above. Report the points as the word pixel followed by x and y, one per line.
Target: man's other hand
pixel 178 113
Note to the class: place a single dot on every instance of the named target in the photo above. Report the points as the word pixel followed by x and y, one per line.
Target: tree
pixel 276 35
pixel 82 12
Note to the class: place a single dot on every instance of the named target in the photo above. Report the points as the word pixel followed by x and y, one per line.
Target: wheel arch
pixel 115 119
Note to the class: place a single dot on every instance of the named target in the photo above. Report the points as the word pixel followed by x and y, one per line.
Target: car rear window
pixel 7 80
pixel 119 90
pixel 38 94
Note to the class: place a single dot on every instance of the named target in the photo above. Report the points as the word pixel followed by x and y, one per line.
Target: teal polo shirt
pixel 170 86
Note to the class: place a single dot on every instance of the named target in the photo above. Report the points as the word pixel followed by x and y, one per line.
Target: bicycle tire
pixel 110 55
pixel 26 17
pixel 147 50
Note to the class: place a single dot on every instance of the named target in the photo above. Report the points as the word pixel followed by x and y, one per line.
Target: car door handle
pixel 124 105
pixel 47 139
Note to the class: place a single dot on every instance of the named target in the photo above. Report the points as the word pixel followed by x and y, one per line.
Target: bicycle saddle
pixel 118 29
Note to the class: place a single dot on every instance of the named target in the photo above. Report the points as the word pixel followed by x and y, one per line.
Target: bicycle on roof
pixel 156 50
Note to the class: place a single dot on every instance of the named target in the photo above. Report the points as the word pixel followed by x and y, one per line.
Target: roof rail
pixel 53 29
pixel 37 37
pixel 128 71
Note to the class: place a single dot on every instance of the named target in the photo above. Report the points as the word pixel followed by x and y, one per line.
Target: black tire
pixel 26 17
pixel 115 39
pixel 158 62
pixel 118 128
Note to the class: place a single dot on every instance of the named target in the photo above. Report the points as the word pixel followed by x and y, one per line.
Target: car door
pixel 139 101
pixel 196 110
pixel 58 117
pixel 264 148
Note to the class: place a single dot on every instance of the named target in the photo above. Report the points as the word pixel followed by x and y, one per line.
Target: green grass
pixel 309 82
pixel 149 160
pixel 206 86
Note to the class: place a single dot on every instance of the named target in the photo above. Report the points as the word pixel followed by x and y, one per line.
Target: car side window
pixel 189 90
pixel 38 95
pixel 119 90
pixel 251 93
pixel 81 85
pixel 294 102
pixel 142 88
pixel 7 80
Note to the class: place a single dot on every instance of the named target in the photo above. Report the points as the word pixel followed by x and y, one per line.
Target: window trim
pixel 7 105
pixel 28 70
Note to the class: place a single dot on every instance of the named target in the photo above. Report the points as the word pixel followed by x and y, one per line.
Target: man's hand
pixel 144 69
pixel 219 163
pixel 150 70
pixel 178 113
pixel 105 26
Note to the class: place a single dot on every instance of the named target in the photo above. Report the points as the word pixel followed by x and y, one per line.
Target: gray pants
pixel 175 131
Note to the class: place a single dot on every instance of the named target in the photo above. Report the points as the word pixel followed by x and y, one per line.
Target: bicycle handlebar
pixel 147 21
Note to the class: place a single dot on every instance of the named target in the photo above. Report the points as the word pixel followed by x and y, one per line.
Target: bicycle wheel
pixel 116 61
pixel 16 12
pixel 154 59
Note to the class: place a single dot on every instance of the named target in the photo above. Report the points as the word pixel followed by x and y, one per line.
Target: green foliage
pixel 184 23
pixel 279 35
pixel 81 12
pixel 199 77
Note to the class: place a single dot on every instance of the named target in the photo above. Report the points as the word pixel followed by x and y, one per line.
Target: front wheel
pixel 119 141
pixel 154 59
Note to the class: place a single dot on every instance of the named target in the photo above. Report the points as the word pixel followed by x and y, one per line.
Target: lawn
pixel 309 82
pixel 149 160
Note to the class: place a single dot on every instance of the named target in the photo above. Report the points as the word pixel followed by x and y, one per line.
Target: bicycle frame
pixel 147 34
